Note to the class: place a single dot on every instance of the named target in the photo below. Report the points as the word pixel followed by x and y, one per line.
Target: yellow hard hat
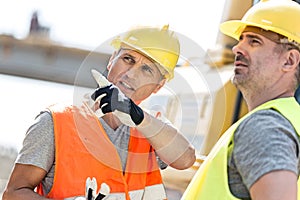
pixel 160 45
pixel 279 16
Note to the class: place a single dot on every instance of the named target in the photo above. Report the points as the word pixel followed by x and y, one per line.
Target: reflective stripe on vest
pixel 150 193
pixel 82 149
pixel 211 180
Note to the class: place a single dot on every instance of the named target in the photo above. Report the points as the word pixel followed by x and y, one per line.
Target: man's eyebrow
pixel 129 51
pixel 251 36
pixel 127 54
pixel 147 65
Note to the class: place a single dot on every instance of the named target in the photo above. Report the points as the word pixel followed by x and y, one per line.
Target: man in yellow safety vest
pixel 258 157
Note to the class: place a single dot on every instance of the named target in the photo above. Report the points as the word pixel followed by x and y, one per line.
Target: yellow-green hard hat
pixel 159 44
pixel 279 16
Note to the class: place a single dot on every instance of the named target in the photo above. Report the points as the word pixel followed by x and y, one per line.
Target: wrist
pixel 136 113
pixel 150 126
pixel 145 122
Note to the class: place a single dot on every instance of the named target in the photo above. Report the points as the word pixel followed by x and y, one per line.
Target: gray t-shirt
pixel 39 149
pixel 263 142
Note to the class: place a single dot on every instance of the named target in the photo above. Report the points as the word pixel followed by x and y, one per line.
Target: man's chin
pixel 237 80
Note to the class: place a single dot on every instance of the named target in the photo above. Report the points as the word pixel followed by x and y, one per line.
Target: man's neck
pixel 257 100
pixel 112 121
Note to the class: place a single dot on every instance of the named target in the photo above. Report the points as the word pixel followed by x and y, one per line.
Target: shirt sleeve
pixel 38 144
pixel 264 142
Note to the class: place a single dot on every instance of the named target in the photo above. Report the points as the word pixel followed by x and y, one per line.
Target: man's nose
pixel 132 71
pixel 238 48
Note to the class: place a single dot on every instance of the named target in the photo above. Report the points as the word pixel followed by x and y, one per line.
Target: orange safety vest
pixel 83 149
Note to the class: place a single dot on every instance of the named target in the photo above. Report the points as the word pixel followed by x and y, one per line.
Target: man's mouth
pixel 240 64
pixel 239 67
pixel 240 61
pixel 125 85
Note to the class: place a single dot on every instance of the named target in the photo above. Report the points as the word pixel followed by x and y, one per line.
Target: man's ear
pixel 160 85
pixel 292 60
pixel 111 59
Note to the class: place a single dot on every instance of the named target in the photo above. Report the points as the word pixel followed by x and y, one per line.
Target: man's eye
pixel 147 68
pixel 254 41
pixel 128 60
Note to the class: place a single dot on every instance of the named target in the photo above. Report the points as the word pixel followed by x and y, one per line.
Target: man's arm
pixel 266 155
pixel 276 185
pixel 32 167
pixel 23 180
pixel 171 146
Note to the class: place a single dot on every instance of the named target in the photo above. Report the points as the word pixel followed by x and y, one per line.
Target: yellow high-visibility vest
pixel 211 180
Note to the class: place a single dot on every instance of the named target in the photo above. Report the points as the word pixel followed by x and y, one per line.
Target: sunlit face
pixel 257 64
pixel 135 75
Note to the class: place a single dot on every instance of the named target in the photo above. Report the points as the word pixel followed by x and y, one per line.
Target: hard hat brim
pixel 117 43
pixel 141 51
pixel 277 16
pixel 234 28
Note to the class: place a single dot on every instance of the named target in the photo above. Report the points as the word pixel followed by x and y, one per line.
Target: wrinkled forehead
pixel 275 37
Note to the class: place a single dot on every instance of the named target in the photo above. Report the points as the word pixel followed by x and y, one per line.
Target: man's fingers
pixel 98 94
pixel 100 97
pixel 100 79
pixel 106 108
